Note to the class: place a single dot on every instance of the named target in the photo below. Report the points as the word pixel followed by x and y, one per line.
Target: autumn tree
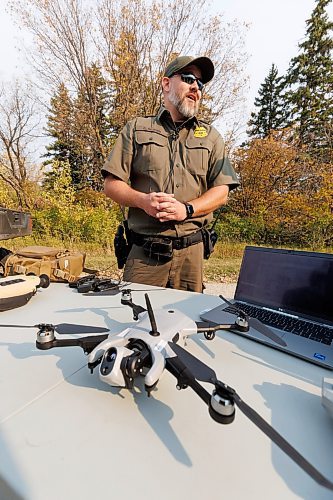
pixel 271 108
pixel 310 82
pixel 18 132
pixel 132 42
pixel 285 194
pixel 268 170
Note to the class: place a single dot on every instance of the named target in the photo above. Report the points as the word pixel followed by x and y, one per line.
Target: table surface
pixel 64 434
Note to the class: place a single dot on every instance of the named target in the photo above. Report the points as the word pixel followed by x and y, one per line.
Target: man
pixel 178 175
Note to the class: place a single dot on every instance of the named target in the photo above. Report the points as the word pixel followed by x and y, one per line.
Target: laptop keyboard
pixel 313 331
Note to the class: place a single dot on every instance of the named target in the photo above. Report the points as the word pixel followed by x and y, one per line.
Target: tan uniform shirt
pixel 154 155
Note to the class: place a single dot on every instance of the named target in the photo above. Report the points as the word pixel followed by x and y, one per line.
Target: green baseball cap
pixel 203 63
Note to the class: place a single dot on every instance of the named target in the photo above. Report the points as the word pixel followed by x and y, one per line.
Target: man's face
pixel 185 97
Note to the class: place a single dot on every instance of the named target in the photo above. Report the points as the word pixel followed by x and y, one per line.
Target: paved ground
pixel 225 289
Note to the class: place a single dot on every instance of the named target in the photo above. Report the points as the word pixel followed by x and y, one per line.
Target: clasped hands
pixel 164 207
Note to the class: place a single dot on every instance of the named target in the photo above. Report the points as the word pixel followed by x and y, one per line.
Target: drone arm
pixel 185 378
pixel 203 327
pixel 86 343
pixel 279 440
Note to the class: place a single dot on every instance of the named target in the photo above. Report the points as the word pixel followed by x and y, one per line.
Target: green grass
pixel 222 267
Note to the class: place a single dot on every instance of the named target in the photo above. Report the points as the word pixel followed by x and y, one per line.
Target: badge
pixel 200 132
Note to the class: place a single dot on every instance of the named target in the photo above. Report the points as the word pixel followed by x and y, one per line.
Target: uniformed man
pixel 172 172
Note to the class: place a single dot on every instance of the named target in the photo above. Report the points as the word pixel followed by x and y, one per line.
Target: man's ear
pixel 166 83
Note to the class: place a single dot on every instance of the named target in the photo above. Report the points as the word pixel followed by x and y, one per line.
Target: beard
pixel 186 108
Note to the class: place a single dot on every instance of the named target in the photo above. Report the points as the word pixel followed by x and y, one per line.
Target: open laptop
pixel 291 292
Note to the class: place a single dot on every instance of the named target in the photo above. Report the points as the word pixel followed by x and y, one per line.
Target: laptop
pixel 291 292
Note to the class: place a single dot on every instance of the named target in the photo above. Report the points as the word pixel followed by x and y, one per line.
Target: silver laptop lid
pixel 290 281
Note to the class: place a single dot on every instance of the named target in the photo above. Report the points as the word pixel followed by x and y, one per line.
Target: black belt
pixel 177 243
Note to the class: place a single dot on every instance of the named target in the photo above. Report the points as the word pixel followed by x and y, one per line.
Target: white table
pixel 66 435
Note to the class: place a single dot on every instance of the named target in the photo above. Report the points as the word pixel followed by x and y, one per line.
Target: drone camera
pixel 133 364
pixel 108 361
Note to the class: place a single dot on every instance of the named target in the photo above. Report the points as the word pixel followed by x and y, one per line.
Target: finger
pixel 163 216
pixel 165 207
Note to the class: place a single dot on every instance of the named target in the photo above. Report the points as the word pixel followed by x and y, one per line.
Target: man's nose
pixel 194 85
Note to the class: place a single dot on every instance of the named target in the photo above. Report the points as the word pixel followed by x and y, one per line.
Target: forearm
pixel 172 209
pixel 211 200
pixel 120 192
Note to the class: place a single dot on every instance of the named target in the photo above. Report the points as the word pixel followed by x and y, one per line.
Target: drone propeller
pixel 255 323
pixel 63 328
pixel 204 373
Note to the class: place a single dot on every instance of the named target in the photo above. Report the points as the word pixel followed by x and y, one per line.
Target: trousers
pixel 183 272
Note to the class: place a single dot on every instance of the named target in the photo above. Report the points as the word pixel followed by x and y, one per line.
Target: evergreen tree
pixel 92 127
pixel 60 126
pixel 271 114
pixel 310 84
pixel 81 129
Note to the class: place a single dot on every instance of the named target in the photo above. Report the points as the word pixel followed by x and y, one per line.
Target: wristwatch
pixel 189 210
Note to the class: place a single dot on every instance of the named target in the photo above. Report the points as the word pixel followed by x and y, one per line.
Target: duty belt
pixel 177 243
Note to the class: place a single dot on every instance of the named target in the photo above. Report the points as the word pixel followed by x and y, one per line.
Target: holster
pixel 122 243
pixel 209 238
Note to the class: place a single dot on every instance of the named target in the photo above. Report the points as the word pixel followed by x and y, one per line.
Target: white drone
pixel 156 343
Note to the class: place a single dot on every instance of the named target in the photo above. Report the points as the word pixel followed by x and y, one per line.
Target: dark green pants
pixel 183 272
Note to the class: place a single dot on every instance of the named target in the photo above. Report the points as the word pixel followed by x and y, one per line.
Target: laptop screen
pixel 291 281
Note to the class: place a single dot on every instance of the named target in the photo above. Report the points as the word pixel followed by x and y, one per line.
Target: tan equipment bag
pixel 57 264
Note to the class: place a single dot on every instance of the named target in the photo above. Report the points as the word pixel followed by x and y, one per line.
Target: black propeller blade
pixel 204 373
pixel 256 324
pixel 64 328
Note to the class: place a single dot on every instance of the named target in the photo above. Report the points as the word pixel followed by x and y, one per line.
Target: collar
pixel 163 115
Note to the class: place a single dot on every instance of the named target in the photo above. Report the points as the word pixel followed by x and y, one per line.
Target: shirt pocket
pixel 152 151
pixel 197 155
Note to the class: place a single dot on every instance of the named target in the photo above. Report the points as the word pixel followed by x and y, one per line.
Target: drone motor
pixel 45 334
pixel 221 408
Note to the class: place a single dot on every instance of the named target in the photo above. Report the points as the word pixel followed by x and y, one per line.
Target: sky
pixel 275 29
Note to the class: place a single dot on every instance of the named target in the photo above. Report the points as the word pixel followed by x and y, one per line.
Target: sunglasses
pixel 190 79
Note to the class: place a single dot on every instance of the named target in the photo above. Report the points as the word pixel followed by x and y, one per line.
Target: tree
pixel 17 134
pixel 60 127
pixel 268 169
pixel 310 83
pixel 132 42
pixel 271 114
pixel 93 131
pixel 81 129
pixel 285 194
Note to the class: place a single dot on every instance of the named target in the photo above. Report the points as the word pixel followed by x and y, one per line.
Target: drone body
pixel 141 339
